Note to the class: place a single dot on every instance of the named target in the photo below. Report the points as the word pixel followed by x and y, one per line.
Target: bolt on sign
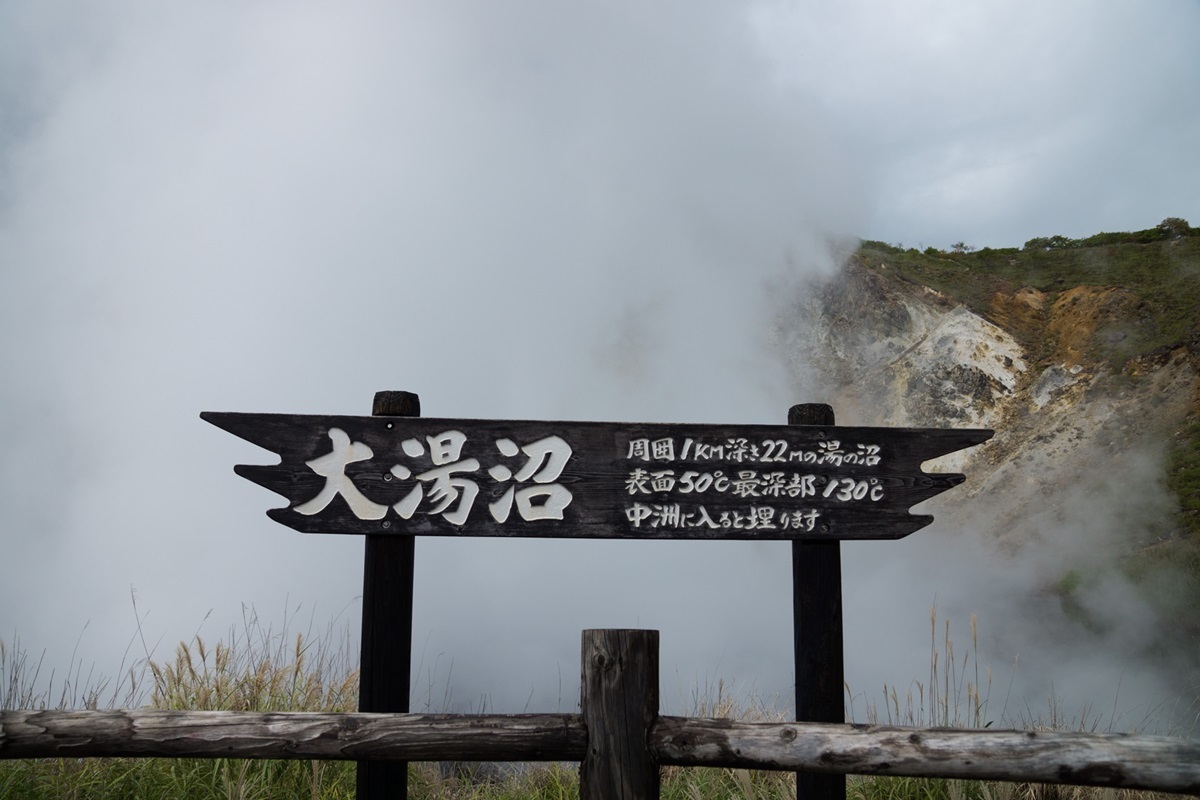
pixel 459 477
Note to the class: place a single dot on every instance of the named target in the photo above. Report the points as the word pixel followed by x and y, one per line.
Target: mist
pixel 527 211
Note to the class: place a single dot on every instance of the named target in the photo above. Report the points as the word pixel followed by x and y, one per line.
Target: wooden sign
pixel 457 477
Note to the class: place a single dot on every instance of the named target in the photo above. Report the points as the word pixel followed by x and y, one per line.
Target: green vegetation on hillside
pixel 1161 266
pixel 1183 475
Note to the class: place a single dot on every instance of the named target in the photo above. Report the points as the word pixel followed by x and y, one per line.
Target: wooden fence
pixel 619 738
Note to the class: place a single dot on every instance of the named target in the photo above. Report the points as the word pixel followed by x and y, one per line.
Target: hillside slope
pixel 1084 356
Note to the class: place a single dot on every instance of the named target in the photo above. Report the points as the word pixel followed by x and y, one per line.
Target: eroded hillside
pixel 1085 359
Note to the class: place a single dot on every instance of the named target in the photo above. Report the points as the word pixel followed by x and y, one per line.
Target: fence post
pixel 385 661
pixel 619 704
pixel 817 623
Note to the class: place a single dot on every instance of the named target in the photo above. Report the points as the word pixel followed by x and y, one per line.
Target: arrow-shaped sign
pixel 456 477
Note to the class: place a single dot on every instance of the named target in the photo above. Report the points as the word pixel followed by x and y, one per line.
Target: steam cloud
pixel 527 210
pixel 516 211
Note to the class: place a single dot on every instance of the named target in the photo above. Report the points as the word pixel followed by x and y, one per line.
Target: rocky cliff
pixel 1094 395
pixel 896 352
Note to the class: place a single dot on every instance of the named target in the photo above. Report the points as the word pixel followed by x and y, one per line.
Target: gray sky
pixel 527 210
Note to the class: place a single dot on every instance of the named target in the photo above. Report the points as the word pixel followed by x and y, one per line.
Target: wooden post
pixel 620 703
pixel 817 622
pixel 386 656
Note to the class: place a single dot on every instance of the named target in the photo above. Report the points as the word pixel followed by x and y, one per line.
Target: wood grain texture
pixel 396 404
pixel 598 473
pixel 817 631
pixel 619 703
pixel 337 736
pixel 385 650
pixel 1157 763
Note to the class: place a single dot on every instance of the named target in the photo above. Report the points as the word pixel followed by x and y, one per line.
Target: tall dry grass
pixel 953 695
pixel 258 668
pixel 254 668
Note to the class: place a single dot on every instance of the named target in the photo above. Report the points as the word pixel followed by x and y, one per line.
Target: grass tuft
pixel 259 669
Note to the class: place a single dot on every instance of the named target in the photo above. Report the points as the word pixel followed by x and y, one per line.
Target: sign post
pixel 385 661
pixel 817 631
pixel 396 475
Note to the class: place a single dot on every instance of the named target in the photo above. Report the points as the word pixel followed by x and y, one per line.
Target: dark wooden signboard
pixel 459 477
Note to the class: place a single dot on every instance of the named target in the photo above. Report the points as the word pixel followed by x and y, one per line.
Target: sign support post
pixel 395 475
pixel 817 631
pixel 385 661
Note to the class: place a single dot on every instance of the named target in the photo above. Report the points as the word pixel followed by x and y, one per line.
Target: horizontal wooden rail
pixel 318 735
pixel 1157 763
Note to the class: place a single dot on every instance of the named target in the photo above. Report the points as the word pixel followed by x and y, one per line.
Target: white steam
pixel 524 210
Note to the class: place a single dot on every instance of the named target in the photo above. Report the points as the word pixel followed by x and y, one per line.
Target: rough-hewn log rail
pixel 1158 763
pixel 250 734
pixel 1088 759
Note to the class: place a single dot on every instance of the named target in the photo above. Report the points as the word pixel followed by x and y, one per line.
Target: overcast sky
pixel 528 210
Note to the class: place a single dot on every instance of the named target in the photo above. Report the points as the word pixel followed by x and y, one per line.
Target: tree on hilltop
pixel 1174 228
